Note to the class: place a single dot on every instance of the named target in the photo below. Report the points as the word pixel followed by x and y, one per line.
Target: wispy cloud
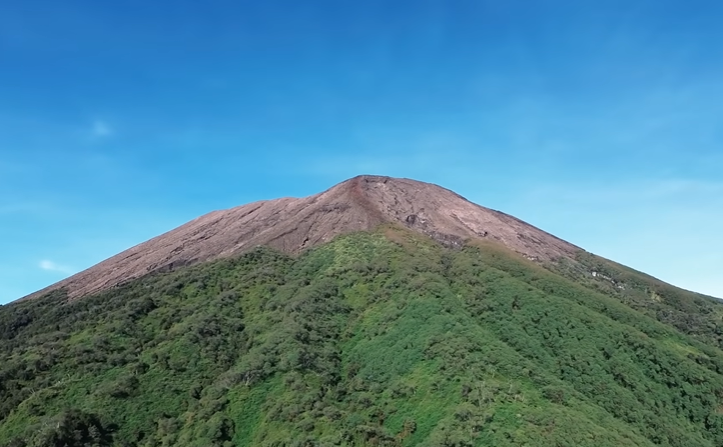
pixel 51 266
pixel 101 129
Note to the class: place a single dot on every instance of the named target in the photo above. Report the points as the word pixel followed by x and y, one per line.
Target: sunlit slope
pixel 383 338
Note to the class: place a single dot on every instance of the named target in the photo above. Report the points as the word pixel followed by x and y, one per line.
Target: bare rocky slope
pixel 295 224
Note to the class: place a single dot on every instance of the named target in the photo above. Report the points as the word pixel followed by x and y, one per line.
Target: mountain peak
pixel 294 224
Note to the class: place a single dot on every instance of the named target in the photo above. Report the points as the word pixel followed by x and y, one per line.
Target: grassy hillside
pixel 383 339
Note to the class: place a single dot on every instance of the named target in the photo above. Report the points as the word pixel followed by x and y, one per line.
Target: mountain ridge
pixel 293 225
pixel 448 324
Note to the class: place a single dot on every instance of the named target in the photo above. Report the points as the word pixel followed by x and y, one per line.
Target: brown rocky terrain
pixel 293 225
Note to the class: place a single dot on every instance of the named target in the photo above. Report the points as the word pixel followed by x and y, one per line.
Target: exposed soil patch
pixel 293 225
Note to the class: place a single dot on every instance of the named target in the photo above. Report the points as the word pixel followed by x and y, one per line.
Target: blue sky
pixel 598 121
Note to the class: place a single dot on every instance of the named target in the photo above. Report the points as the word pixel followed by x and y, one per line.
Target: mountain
pixel 293 225
pixel 382 312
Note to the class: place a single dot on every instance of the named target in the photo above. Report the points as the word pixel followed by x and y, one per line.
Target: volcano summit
pixel 293 225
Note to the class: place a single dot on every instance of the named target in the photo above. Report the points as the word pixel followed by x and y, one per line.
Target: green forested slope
pixel 373 339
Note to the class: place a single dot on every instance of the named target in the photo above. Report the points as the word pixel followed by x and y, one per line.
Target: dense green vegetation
pixel 385 339
pixel 689 312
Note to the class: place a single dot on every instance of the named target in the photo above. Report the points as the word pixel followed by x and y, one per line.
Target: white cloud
pixel 51 266
pixel 101 129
